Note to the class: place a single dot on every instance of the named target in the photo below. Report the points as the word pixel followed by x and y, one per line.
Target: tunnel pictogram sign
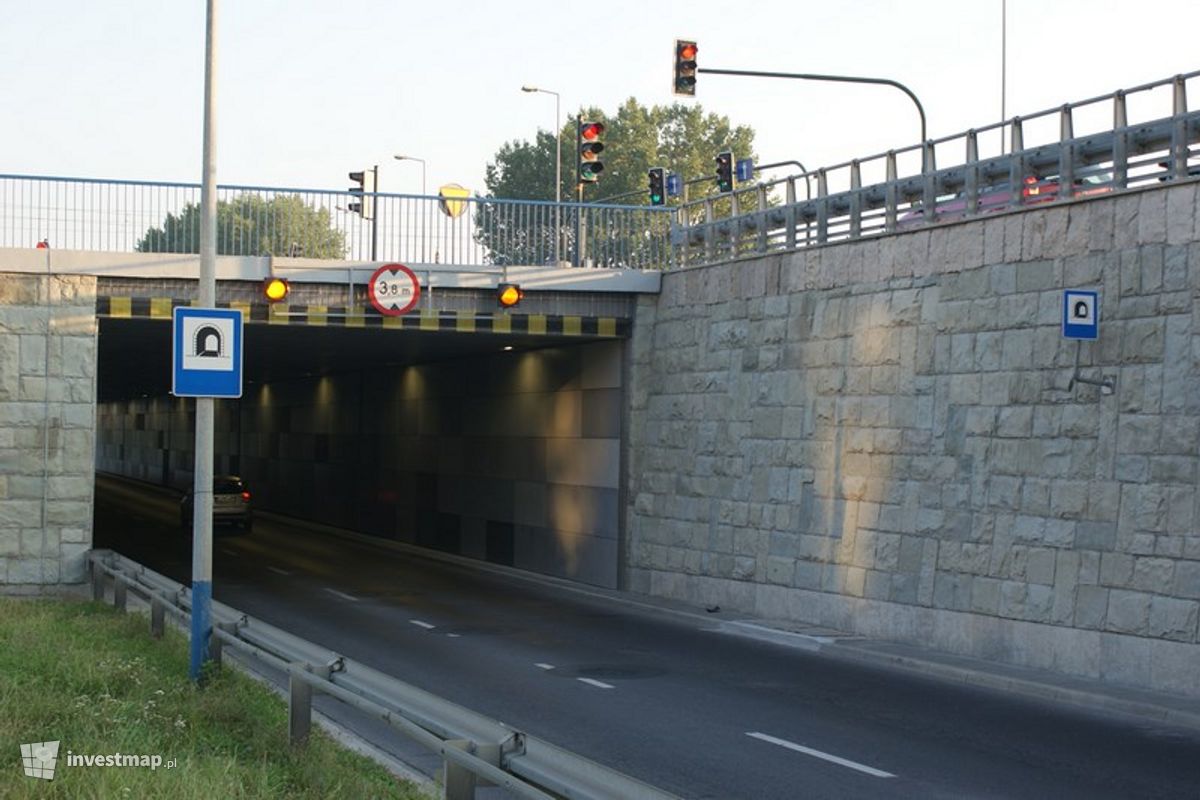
pixel 207 352
pixel 1081 314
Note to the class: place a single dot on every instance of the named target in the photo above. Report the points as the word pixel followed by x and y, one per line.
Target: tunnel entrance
pixel 501 446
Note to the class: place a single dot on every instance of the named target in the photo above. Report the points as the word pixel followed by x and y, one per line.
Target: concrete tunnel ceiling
pixel 135 354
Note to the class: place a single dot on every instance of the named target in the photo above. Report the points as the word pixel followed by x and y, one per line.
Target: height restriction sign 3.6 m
pixel 394 290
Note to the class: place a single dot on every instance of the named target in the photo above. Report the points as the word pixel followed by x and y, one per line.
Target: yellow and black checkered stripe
pixel 341 317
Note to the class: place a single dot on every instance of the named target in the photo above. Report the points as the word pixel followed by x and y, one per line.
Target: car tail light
pixel 1031 187
pixel 245 497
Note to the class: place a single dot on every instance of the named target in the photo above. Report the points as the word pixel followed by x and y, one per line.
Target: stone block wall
pixel 47 418
pixel 889 437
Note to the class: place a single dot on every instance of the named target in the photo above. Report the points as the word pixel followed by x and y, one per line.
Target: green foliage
pixel 250 225
pixel 681 138
pixel 93 679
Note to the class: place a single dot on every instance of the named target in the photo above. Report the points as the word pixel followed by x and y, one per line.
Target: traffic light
pixel 508 295
pixel 590 146
pixel 365 191
pixel 685 67
pixel 725 171
pixel 658 194
pixel 275 289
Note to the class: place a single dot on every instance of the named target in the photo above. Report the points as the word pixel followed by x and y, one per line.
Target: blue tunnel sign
pixel 1081 314
pixel 207 352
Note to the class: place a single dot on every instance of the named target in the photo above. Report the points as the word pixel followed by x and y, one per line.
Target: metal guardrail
pixel 1116 156
pixel 476 750
pixel 157 217
pixel 1003 169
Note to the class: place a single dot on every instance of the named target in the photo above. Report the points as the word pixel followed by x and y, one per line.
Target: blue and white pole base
pixel 201 626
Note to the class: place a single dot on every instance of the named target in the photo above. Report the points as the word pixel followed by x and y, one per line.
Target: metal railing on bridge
pixel 158 217
pixel 837 205
pixel 1062 154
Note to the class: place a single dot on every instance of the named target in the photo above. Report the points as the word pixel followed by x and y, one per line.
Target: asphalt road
pixel 664 698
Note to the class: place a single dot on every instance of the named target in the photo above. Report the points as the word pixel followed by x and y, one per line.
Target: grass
pixel 94 679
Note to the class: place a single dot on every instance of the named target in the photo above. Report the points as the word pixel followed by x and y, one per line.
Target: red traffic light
pixel 591 131
pixel 685 67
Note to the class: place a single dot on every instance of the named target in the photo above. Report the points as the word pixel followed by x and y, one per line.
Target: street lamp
pixel 557 165
pixel 414 158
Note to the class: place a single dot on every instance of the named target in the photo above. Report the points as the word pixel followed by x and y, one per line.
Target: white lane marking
pixel 229 552
pixel 424 625
pixel 808 751
pixel 342 595
pixel 544 666
pixel 453 635
pixel 279 571
pixel 596 683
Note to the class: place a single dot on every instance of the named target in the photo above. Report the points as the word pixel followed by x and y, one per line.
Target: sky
pixel 309 90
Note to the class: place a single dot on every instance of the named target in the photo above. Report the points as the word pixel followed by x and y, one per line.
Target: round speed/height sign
pixel 394 289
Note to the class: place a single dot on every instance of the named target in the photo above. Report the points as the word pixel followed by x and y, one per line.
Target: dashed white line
pixel 229 552
pixel 342 595
pixel 453 635
pixel 808 751
pixel 279 571
pixel 596 683
pixel 544 666
pixel 421 624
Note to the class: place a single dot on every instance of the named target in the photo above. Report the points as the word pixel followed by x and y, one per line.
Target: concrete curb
pixel 1078 696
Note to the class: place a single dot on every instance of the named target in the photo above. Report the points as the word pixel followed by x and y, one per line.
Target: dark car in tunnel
pixel 231 504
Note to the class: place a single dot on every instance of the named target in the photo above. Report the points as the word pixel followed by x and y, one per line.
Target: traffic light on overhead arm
pixel 365 192
pixel 590 147
pixel 725 171
pixel 658 193
pixel 685 67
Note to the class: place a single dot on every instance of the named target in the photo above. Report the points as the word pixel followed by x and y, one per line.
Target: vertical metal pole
pixel 1120 142
pixel 299 710
pixel 578 195
pixel 557 182
pixel 458 782
pixel 375 215
pixel 1003 68
pixel 157 612
pixel 205 406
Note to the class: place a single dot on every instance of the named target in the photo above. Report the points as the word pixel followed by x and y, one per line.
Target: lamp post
pixel 400 157
pixel 414 158
pixel 557 166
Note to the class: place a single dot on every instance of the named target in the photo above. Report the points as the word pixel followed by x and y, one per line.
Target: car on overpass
pixel 232 504
pixel 998 197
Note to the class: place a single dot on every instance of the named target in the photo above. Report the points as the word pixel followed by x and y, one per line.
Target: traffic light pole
pixel 834 78
pixel 202 490
pixel 578 194
pixel 375 214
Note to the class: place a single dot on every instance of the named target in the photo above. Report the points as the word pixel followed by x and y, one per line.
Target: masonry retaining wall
pixel 884 437
pixel 47 418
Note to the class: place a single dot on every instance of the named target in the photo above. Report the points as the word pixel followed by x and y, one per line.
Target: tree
pixel 682 138
pixel 250 225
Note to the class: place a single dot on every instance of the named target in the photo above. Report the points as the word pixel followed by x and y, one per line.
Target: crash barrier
pixel 476 751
